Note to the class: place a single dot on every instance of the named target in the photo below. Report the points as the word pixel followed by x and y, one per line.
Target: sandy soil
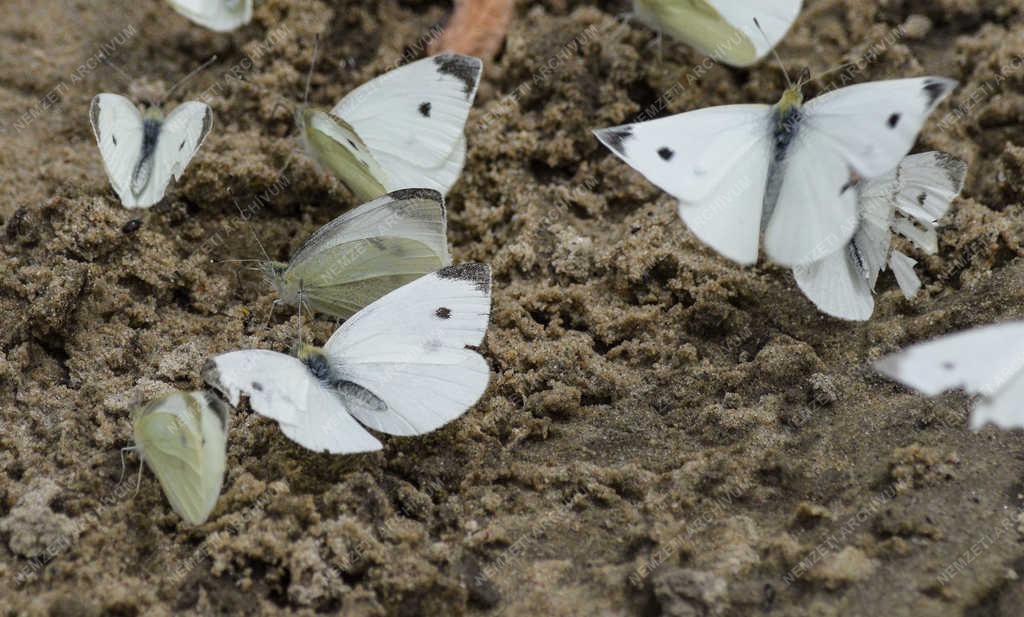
pixel 665 433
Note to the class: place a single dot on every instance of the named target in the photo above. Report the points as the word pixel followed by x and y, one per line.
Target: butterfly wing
pixel 714 161
pixel 181 134
pixel 218 15
pixel 837 286
pixel 369 251
pixel 281 388
pixel 1004 408
pixel 117 125
pixel 412 118
pixel 410 354
pixel 183 439
pixel 979 361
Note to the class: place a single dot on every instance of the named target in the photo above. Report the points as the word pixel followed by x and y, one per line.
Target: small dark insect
pixel 425 109
pixel 131 226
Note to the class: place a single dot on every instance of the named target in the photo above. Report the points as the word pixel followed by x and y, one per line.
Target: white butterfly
pixel 909 201
pixel 404 365
pixel 142 152
pixel 219 15
pixel 784 170
pixel 987 362
pixel 183 439
pixel 403 129
pixel 722 29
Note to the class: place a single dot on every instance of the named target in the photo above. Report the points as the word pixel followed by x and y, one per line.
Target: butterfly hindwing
pixel 412 352
pixel 282 388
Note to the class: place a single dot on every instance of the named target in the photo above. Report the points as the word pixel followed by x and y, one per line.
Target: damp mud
pixel 665 433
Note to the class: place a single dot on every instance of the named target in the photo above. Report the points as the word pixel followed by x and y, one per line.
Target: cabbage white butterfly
pixel 785 170
pixel 142 152
pixel 183 438
pixel 219 15
pixel 403 129
pixel 909 201
pixel 986 361
pixel 722 28
pixel 365 253
pixel 404 365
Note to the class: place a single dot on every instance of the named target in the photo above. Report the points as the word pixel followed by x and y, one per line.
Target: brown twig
pixel 476 28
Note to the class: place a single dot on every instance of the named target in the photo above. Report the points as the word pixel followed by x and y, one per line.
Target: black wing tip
pixel 615 137
pixel 406 194
pixel 466 69
pixel 218 405
pixel 937 88
pixel 955 168
pixel 477 273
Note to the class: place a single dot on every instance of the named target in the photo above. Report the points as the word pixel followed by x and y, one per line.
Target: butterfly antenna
pixel 312 65
pixel 252 232
pixel 185 79
pixel 778 58
pixel 125 76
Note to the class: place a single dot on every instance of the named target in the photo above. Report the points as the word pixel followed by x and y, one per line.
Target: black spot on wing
pixel 257 386
pixel 425 109
pixel 464 68
pixel 948 366
pixel 477 273
pixel 615 138
pixel 893 121
pixel 849 185
pixel 443 313
pixel 923 197
pixel 955 168
pixel 666 153
pixel 113 138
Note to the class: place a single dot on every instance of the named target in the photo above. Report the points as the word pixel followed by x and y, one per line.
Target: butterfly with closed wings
pixel 908 201
pixel 785 170
pixel 183 438
pixel 365 253
pixel 404 365
pixel 722 29
pixel 403 129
